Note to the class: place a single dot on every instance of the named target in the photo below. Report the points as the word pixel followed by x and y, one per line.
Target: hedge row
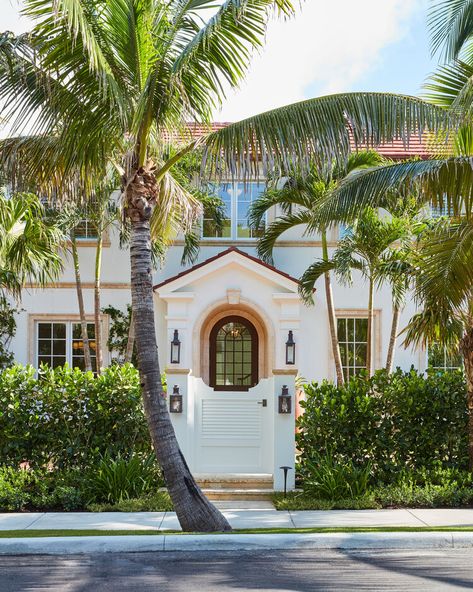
pixel 67 418
pixel 398 422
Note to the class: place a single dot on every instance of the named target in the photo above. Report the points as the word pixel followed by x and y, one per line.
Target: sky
pixel 330 46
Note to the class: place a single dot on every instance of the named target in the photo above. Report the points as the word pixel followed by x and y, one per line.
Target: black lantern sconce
pixel 175 400
pixel 285 401
pixel 290 349
pixel 175 348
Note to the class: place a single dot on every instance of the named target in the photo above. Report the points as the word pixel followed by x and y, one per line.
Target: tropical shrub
pixel 121 478
pixel 65 418
pixel 326 478
pixel 397 422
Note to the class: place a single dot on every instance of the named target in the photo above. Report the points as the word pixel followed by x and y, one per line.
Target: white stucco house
pixel 243 334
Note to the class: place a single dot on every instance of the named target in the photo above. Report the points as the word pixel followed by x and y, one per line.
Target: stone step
pixel 237 481
pixel 235 495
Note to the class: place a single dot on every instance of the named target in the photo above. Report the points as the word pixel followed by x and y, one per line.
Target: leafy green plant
pixel 155 502
pixel 121 478
pixel 403 421
pixel 326 478
pixel 66 418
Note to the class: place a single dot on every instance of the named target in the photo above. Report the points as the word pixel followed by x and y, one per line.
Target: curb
pixel 234 542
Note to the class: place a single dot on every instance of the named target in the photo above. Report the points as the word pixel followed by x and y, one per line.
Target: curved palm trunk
pixel 369 345
pixel 130 344
pixel 393 339
pixel 80 299
pixel 332 321
pixel 466 348
pixel 194 511
pixel 98 328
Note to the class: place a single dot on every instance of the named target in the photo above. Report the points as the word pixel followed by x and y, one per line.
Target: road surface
pixel 292 571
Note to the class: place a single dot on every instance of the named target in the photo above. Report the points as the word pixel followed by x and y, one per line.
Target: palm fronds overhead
pixel 451 24
pixel 442 182
pixel 325 129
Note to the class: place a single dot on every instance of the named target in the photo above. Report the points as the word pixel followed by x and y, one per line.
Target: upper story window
pixel 237 199
pixel 85 230
pixel 61 342
pixel 353 342
pixel 438 358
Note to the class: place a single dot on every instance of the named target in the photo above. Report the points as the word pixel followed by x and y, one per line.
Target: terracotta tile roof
pixel 219 256
pixel 396 150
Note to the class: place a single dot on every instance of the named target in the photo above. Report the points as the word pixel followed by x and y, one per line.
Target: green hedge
pixel 67 418
pixel 403 421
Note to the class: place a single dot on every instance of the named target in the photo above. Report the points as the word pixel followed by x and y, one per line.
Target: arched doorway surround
pixel 233 354
pixel 219 311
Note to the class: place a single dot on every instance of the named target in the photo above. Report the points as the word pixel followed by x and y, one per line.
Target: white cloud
pixel 329 45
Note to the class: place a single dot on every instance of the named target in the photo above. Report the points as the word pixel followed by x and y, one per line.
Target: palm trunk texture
pixel 98 328
pixel 466 348
pixel 332 321
pixel 80 299
pixel 194 511
pixel 130 344
pixel 392 339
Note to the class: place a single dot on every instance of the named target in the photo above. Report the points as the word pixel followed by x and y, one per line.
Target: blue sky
pixel 330 46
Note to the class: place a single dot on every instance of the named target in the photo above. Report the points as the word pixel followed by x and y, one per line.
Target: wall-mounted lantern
pixel 175 348
pixel 175 400
pixel 285 401
pixel 290 349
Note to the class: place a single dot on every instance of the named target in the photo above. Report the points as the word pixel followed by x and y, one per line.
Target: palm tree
pixel 364 248
pixel 101 82
pixel 299 198
pixel 30 244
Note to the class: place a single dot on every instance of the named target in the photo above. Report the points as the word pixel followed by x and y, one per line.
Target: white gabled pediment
pixel 230 259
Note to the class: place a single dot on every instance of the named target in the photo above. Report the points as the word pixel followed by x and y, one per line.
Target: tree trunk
pixel 194 511
pixel 130 344
pixel 98 326
pixel 80 299
pixel 393 339
pixel 466 348
pixel 369 337
pixel 332 321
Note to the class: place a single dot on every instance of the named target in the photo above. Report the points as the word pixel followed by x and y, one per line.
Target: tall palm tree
pixel 102 81
pixel 298 198
pixel 30 244
pixel 364 248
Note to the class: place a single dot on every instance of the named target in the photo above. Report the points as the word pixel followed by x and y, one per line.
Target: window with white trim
pixel 86 230
pixel 353 343
pixel 439 358
pixel 58 342
pixel 237 199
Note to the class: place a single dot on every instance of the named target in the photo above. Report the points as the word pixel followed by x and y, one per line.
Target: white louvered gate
pixel 234 429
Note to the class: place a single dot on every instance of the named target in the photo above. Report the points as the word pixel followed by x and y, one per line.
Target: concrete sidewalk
pixel 239 519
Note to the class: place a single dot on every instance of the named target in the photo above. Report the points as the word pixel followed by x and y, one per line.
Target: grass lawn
pixel 7 534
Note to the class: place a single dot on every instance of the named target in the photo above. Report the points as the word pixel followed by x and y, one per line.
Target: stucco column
pixel 284 431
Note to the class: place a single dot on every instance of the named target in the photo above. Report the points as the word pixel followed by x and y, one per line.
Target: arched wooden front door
pixel 233 354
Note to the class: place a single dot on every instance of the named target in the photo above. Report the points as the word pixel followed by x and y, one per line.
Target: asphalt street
pixel 270 571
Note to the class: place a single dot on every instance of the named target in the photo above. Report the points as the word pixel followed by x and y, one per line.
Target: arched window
pixel 233 355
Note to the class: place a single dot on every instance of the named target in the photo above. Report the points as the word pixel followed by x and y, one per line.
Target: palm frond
pixel 274 231
pixel 441 182
pixel 310 276
pixel 322 129
pixel 451 25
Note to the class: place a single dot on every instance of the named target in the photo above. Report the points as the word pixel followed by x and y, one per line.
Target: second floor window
pixel 85 230
pixel 237 199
